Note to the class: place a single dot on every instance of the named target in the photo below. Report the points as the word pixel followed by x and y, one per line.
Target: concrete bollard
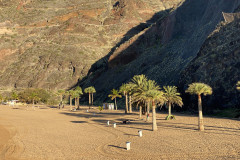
pixel 128 145
pixel 140 133
pixel 114 125
pixel 108 123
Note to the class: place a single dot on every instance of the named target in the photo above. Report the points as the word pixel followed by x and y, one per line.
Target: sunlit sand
pixel 49 133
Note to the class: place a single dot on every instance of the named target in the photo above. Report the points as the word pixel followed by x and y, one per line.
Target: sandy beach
pixel 46 133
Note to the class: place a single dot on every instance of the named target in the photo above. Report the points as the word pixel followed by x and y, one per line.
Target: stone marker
pixel 140 133
pixel 128 145
pixel 114 125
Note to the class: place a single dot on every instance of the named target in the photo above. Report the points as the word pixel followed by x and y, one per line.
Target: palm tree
pixel 173 97
pixel 71 95
pixel 137 83
pixel 34 96
pixel 114 96
pixel 156 97
pixel 199 89
pixel 61 92
pixel 238 85
pixel 130 92
pixel 124 90
pixel 90 90
pixel 78 93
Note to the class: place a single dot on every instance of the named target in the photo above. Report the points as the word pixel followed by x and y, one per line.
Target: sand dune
pixel 48 133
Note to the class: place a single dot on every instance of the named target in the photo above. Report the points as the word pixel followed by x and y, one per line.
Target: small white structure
pixel 114 125
pixel 87 110
pixel 128 145
pixel 108 123
pixel 109 106
pixel 140 133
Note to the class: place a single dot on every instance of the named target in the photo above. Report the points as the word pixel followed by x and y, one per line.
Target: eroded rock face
pixel 52 44
pixel 163 49
pixel 218 64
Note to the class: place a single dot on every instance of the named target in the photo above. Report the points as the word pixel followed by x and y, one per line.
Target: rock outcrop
pixel 218 64
pixel 164 49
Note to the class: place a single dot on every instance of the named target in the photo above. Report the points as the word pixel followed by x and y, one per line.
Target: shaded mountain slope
pixel 164 49
pixel 218 64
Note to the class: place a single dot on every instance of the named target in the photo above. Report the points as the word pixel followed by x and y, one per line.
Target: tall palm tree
pixel 78 93
pixel 124 90
pixel 61 92
pixel 130 92
pixel 238 85
pixel 137 83
pixel 90 90
pixel 173 97
pixel 114 95
pixel 199 89
pixel 156 97
pixel 71 94
pixel 93 90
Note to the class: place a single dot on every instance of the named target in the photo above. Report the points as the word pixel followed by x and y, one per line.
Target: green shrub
pixel 170 117
pixel 100 108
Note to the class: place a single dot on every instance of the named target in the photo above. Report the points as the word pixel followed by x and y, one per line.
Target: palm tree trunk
pixel 200 118
pixel 130 104
pixel 154 120
pixel 147 116
pixel 126 103
pixel 89 99
pixel 75 99
pixel 140 112
pixel 71 102
pixel 92 99
pixel 61 98
pixel 169 109
pixel 116 103
pixel 78 106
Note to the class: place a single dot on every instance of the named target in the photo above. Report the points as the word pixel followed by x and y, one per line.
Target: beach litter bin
pixel 108 123
pixel 140 133
pixel 128 145
pixel 114 125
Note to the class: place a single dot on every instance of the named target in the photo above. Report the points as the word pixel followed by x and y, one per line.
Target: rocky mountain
pixel 52 44
pixel 59 44
pixel 218 64
pixel 164 49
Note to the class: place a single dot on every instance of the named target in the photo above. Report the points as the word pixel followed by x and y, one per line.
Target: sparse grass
pixel 229 113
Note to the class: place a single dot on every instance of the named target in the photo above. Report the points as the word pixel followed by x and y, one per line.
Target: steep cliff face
pixel 218 64
pixel 52 44
pixel 163 49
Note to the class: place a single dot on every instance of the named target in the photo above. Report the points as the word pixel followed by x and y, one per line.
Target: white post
pixel 114 125
pixel 128 145
pixel 140 133
pixel 87 110
pixel 108 123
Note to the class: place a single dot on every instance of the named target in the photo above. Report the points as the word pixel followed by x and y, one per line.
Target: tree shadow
pixel 117 147
pixel 77 114
pixel 78 121
pixel 131 135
